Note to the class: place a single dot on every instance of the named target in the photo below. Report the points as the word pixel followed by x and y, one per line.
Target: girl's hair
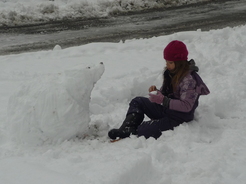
pixel 180 71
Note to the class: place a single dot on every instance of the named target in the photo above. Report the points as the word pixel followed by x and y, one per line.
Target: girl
pixel 173 104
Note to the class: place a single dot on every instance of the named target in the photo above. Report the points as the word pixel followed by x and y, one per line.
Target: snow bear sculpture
pixel 53 107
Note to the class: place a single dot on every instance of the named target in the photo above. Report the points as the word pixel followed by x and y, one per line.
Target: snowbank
pixel 16 12
pixel 54 107
pixel 210 149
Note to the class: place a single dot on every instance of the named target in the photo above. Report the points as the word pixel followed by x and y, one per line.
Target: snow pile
pixel 54 107
pixel 210 149
pixel 16 12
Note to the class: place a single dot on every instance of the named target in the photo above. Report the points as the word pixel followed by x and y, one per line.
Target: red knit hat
pixel 175 51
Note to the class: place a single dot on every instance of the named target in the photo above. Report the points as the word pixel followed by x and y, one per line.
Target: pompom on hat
pixel 175 51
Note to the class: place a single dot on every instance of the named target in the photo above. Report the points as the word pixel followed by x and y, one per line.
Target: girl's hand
pixel 156 98
pixel 152 88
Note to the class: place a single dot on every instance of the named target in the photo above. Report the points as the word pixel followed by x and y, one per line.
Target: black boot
pixel 118 133
pixel 128 127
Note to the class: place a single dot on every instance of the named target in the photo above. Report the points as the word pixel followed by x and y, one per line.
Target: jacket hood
pixel 193 66
pixel 201 87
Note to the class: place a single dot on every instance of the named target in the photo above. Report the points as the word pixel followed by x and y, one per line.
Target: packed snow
pixel 50 103
pixel 19 12
pixel 58 105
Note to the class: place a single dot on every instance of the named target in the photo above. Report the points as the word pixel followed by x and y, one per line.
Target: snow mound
pixel 53 107
pixel 57 47
pixel 14 12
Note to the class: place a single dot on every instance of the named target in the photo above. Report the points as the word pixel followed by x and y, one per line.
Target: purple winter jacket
pixel 184 100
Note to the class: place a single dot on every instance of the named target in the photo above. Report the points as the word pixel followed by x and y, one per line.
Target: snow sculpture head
pixel 54 107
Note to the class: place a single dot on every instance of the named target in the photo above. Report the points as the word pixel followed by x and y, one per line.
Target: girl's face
pixel 170 65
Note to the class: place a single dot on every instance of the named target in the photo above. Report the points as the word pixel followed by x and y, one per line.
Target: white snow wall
pixel 53 107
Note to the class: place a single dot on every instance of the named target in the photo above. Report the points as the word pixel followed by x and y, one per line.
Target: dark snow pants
pixel 159 120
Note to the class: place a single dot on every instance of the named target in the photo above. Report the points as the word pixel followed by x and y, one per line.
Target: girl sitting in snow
pixel 173 104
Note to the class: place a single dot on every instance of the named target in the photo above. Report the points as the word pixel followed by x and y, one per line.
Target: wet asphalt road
pixel 206 16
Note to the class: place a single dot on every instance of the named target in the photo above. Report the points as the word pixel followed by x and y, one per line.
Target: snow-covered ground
pixel 54 123
pixel 17 12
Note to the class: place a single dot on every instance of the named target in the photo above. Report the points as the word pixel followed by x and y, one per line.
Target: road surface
pixel 204 16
